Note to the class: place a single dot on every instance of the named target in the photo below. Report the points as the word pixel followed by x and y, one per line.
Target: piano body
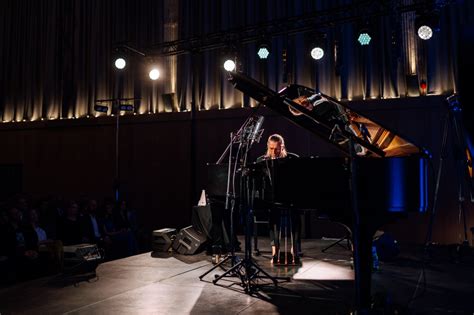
pixel 363 189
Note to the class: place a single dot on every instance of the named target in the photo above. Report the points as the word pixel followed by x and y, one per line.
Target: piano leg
pixel 362 237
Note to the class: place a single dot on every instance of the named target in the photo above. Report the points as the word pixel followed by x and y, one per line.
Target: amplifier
pixel 162 239
pixel 80 262
pixel 188 241
pixel 81 252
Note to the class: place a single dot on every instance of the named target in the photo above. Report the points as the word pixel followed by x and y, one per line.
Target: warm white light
pixel 425 32
pixel 120 63
pixel 317 53
pixel 229 65
pixel 154 74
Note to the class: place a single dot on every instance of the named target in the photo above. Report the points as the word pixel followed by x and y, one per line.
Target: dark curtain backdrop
pixel 56 55
pixel 56 60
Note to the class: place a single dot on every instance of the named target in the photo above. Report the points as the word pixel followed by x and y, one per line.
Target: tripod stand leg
pixel 338 242
pixel 266 275
pixel 228 272
pixel 223 261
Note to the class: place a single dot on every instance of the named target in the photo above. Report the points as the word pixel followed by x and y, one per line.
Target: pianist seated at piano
pixel 276 149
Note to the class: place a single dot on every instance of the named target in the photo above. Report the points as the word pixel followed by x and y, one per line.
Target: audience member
pixel 19 247
pixel 69 229
pixel 34 222
pixel 123 242
pixel 92 225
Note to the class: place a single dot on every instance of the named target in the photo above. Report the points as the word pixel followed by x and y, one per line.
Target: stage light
pixel 317 53
pixel 126 107
pixel 263 48
pixel 364 38
pixel 427 24
pixel 425 32
pixel 229 65
pixel 229 57
pixel 154 74
pixel 364 31
pixel 101 108
pixel 120 63
pixel 423 85
pixel 263 52
pixel 317 43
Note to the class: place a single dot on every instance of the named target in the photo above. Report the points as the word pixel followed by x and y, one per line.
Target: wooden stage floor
pixel 159 283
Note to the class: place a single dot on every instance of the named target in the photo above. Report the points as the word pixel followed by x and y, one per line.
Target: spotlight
pixel 425 32
pixel 423 85
pixel 229 65
pixel 364 38
pixel 154 74
pixel 317 44
pixel 120 63
pixel 364 31
pixel 263 52
pixel 229 55
pixel 126 107
pixel 317 53
pixel 263 45
pixel 426 24
pixel 101 108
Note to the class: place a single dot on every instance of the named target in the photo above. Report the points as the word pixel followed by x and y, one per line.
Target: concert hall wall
pixel 163 157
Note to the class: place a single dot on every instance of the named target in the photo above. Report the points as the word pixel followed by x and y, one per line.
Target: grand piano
pixel 379 175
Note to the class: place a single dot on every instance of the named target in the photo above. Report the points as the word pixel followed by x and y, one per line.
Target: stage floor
pixel 169 284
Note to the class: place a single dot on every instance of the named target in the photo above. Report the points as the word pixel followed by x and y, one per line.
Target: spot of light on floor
pixel 324 270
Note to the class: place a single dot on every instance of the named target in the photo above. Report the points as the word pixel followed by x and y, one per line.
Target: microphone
pixel 255 135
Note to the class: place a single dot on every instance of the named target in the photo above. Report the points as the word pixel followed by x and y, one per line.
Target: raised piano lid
pixel 329 119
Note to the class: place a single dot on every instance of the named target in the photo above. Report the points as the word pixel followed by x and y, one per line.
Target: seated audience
pixel 19 247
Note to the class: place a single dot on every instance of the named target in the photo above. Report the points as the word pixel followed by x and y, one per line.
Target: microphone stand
pixel 247 270
pixel 234 137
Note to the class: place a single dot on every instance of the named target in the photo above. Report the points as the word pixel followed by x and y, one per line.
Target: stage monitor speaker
pixel 163 239
pixel 81 252
pixel 188 241
pixel 81 259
